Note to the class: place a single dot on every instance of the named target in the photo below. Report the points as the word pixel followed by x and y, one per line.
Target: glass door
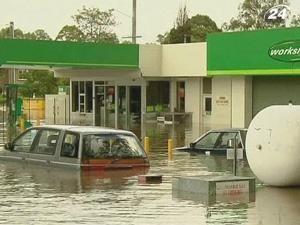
pixel 122 107
pixel 99 106
pixel 104 105
pixel 110 106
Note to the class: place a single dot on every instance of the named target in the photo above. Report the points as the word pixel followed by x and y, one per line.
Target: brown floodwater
pixel 41 195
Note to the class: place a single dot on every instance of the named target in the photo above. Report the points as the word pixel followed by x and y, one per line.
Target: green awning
pixel 61 54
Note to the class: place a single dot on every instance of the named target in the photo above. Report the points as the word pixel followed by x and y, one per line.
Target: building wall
pixel 241 101
pixel 221 102
pixel 193 98
pixel 232 101
pixel 173 60
pixel 184 60
pixel 150 60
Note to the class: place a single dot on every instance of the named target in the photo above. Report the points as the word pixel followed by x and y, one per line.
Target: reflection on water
pixel 39 195
pixel 276 206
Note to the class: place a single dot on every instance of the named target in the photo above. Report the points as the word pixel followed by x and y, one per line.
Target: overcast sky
pixel 153 16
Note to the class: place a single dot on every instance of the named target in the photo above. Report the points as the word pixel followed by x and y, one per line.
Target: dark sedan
pixel 216 141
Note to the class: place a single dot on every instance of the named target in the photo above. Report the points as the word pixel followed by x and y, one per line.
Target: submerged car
pixel 81 147
pixel 216 141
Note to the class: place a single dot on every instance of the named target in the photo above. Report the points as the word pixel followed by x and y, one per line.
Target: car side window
pixel 70 145
pixel 224 139
pixel 47 142
pixel 25 141
pixel 208 141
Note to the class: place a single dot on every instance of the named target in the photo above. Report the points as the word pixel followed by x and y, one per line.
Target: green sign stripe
pixel 61 53
pixel 243 51
pixel 57 64
pixel 254 72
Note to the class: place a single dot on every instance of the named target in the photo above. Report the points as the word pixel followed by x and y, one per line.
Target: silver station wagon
pixel 82 147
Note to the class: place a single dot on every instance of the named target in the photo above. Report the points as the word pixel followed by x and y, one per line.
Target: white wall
pixel 232 101
pixel 173 60
pixel 184 60
pixel 221 102
pixel 150 60
pixel 193 98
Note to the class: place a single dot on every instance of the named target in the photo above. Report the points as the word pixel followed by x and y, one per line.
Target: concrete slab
pixel 209 189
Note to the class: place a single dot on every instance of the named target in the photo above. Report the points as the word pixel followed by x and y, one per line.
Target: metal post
pixel 133 22
pixel 234 157
pixel 12 28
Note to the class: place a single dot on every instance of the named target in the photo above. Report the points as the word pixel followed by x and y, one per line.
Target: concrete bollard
pixel 147 145
pixel 170 149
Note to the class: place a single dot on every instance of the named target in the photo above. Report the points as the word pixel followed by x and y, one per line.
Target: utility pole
pixel 13 71
pixel 133 22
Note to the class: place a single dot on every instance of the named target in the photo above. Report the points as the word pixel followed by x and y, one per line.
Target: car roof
pixel 86 129
pixel 228 130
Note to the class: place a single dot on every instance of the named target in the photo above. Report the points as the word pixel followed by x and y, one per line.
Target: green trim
pixel 254 72
pixel 81 65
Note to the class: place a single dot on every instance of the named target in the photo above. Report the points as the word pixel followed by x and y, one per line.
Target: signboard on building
pixel 287 51
pixel 222 100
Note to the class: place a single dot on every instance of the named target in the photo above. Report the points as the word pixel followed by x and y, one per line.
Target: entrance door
pixel 134 109
pixel 99 106
pixel 105 105
pixel 129 107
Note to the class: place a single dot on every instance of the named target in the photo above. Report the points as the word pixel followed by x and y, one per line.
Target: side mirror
pixel 8 146
pixel 192 145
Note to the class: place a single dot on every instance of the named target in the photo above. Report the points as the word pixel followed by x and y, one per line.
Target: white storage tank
pixel 273 145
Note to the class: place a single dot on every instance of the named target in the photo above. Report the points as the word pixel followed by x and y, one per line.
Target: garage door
pixel 275 91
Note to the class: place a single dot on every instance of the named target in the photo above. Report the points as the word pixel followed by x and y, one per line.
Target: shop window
pixel 82 96
pixel 207 85
pixel 158 96
pixel 208 105
pixel 75 96
pixel 89 97
pixel 180 96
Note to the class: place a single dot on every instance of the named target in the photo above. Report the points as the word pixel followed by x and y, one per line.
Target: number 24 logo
pixel 278 12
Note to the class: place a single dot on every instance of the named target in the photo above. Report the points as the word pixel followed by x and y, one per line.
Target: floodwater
pixel 39 195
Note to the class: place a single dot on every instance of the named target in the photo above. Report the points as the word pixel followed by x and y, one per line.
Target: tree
pixel 188 29
pixel 91 25
pixel 6 32
pixel 251 16
pixel 70 33
pixel 39 34
pixel 181 32
pixel 201 25
pixel 41 82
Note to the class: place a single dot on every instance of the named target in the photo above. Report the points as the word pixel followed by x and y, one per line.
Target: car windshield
pixel 243 136
pixel 111 146
pixel 217 140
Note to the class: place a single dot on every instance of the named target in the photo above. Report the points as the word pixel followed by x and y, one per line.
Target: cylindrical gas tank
pixel 273 145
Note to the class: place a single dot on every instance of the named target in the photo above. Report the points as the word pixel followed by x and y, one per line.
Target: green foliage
pixel 201 25
pixel 39 34
pixel 70 33
pixel 41 82
pixel 91 25
pixel 251 16
pixel 188 29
